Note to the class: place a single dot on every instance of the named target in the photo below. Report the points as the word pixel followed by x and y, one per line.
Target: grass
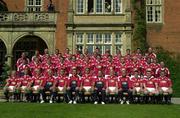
pixel 30 110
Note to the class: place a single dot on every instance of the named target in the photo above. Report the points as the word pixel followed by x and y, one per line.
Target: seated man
pixel 26 82
pixel 137 85
pixel 61 84
pixel 150 86
pixel 99 87
pixel 37 79
pixel 12 83
pixel 112 85
pixel 125 87
pixel 86 84
pixel 48 87
pixel 73 87
pixel 165 87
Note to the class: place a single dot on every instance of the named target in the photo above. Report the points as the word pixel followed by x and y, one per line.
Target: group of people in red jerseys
pixel 100 78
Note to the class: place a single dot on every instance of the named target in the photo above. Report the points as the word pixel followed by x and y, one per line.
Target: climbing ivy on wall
pixel 139 35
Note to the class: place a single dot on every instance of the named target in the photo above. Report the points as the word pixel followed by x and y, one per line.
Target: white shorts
pixel 23 87
pixel 112 89
pixel 106 76
pixel 60 88
pixel 11 88
pixel 151 89
pixel 87 88
pixel 36 87
pixel 137 89
pixel 164 89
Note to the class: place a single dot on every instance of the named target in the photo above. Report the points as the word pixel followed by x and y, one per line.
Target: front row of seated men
pixel 97 88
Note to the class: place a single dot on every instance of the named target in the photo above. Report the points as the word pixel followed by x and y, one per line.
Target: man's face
pixel 122 60
pixel 67 50
pixel 136 73
pixel 73 58
pixel 138 51
pixel 150 50
pixel 74 72
pixel 128 51
pixel 109 58
pixel 61 72
pixel 111 72
pixel 99 73
pixel 123 72
pixel 23 55
pixel 148 74
pixel 49 72
pixel 36 52
pixel 38 72
pixel 46 51
pixel 57 51
pixel 87 70
pixel 162 64
pixel 13 73
pixel 162 74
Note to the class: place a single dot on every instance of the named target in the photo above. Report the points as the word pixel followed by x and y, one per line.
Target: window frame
pixel 95 9
pixel 102 44
pixel 154 4
pixel 34 6
pixel 120 7
pixel 83 7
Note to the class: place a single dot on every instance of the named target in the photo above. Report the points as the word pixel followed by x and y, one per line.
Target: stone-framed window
pixel 98 7
pixel 101 40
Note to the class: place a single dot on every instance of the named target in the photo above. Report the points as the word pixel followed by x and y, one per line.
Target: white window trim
pixel 84 7
pixel 85 44
pixel 33 6
pixel 153 10
pixel 120 6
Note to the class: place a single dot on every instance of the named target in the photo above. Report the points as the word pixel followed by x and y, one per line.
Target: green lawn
pixel 26 110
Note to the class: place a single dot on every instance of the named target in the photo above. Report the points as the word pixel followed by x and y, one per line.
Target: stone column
pixel 9 60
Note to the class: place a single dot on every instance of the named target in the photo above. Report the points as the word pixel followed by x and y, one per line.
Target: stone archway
pixel 3 52
pixel 28 44
pixel 3 6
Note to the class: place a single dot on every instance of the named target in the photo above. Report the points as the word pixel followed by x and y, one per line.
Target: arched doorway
pixel 28 44
pixel 3 6
pixel 2 54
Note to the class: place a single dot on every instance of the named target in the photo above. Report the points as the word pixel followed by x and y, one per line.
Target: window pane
pixel 30 9
pixel 157 2
pixel 149 13
pixel 149 2
pixel 90 38
pixel 79 38
pixel 100 47
pixel 38 2
pixel 80 6
pixel 117 47
pixel 107 47
pixel 90 6
pixel 99 39
pixel 117 6
pixel 107 38
pixel 99 6
pixel 157 14
pixel 80 48
pixel 117 38
pixel 37 8
pixel 30 2
pixel 90 48
pixel 107 5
